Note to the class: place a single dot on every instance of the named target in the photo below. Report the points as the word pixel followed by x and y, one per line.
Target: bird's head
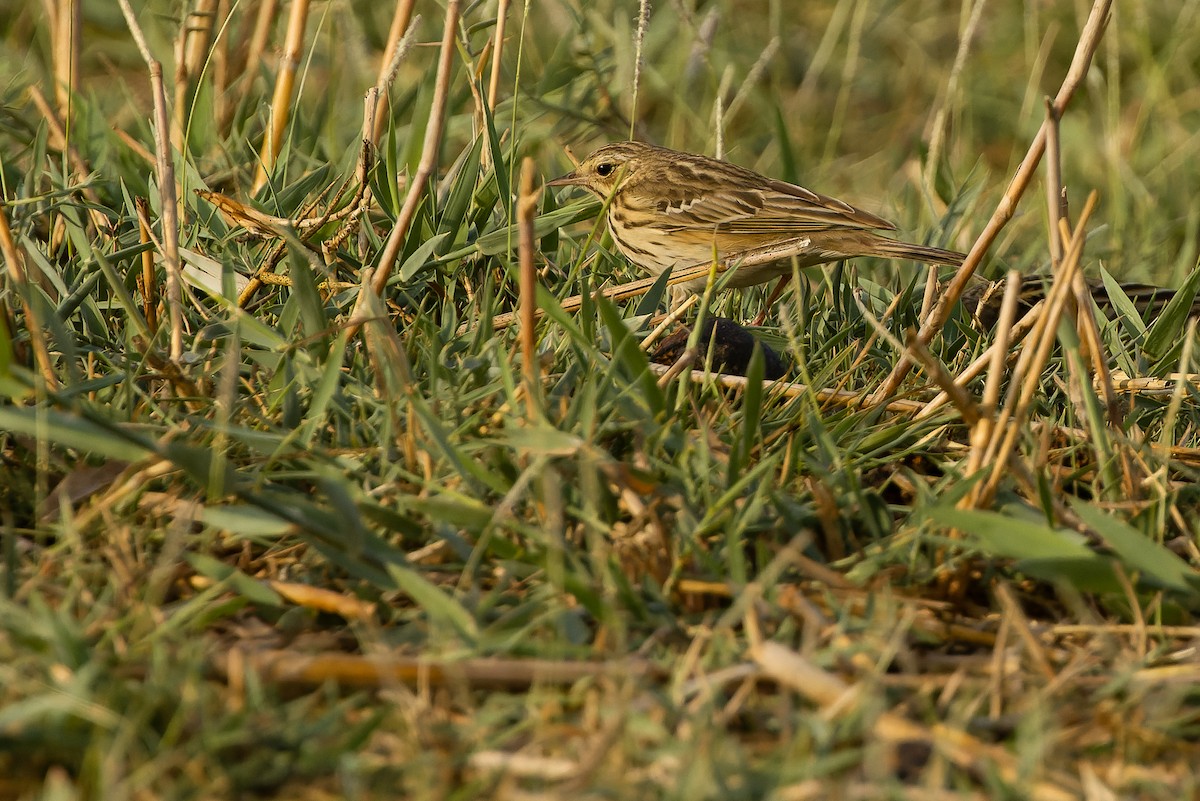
pixel 606 169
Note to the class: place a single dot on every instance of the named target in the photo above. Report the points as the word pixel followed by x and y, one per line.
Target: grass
pixel 308 540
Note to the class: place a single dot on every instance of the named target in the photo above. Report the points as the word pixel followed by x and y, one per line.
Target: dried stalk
pixel 668 320
pixel 399 30
pixel 198 37
pixel 931 290
pixel 192 47
pixel 281 102
pixel 865 349
pixel 527 204
pixel 972 415
pixel 220 67
pixel 258 38
pixel 638 58
pixel 1029 367
pixel 982 433
pixel 1055 190
pixel 982 428
pixel 165 175
pixel 993 353
pixel 788 389
pixel 353 670
pixel 497 51
pixel 429 154
pixel 66 25
pixel 146 281
pixel 631 289
pixel 968 409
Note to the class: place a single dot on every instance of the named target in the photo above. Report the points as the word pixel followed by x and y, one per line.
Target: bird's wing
pixel 772 207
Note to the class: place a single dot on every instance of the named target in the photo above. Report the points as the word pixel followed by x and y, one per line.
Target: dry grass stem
pixel 497 53
pixel 981 432
pixel 1167 385
pixel 1092 343
pixel 198 34
pixel 1026 377
pixel 864 350
pixel 987 359
pixel 1079 306
pixel 686 359
pixel 281 101
pixel 135 146
pixel 1055 191
pixel 379 671
pixel 789 389
pixel 932 283
pixel 260 224
pixel 639 42
pixel 191 53
pixel 668 320
pixel 306 224
pixel 67 35
pixel 550 769
pixel 401 33
pixel 147 281
pixel 1179 381
pixel 310 597
pixel 429 154
pixel 967 408
pixel 971 414
pixel 527 205
pixel 1092 346
pixel 625 291
pixel 165 175
pixel 877 327
pixel 219 68
pixel 1020 623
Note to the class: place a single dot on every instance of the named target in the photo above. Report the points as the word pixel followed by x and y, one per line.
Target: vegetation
pixel 294 515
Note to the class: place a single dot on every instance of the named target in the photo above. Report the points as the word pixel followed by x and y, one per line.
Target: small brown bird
pixel 672 209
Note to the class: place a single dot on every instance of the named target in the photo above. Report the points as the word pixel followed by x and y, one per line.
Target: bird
pixel 670 209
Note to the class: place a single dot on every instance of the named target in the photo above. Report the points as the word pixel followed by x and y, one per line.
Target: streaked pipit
pixel 671 209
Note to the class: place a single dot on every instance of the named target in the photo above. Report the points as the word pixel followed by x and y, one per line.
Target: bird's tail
pixel 895 249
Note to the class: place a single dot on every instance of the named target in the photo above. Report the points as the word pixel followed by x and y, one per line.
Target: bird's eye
pixel 604 170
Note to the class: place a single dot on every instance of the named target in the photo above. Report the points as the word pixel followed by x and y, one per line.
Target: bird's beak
pixel 570 179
